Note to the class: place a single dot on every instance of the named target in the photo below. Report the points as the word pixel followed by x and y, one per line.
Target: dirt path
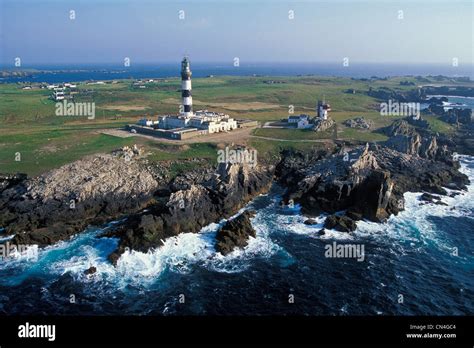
pixel 295 140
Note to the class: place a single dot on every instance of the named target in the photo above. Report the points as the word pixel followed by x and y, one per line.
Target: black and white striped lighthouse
pixel 186 88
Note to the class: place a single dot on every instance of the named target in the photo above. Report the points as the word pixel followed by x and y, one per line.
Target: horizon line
pixel 226 63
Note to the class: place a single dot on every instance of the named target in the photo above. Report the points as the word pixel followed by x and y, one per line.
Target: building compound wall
pixel 168 134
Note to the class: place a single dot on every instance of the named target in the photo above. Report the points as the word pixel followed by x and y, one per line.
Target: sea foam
pixel 413 224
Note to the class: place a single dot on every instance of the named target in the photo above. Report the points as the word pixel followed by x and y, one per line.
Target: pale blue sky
pixel 40 31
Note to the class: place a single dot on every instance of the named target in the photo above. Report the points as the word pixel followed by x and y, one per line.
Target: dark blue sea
pixel 417 263
pixel 62 74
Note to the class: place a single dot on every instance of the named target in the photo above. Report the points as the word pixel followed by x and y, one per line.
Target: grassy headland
pixel 29 126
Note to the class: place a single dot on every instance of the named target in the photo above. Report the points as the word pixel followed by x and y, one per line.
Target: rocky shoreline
pixel 98 189
pixel 54 206
pixel 359 181
pixel 368 182
pixel 190 203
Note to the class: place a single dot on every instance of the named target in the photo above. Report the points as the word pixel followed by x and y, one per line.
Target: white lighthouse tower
pixel 323 109
pixel 186 88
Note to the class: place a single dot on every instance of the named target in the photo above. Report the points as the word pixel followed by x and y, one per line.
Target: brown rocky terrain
pixel 64 201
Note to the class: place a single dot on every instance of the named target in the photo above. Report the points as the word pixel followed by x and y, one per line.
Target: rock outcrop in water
pixel 340 223
pixel 235 233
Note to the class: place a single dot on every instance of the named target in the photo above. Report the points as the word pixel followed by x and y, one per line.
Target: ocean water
pixel 459 103
pixel 57 74
pixel 417 263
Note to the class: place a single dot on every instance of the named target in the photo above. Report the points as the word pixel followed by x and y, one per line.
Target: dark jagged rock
pixel 354 215
pixel 414 145
pixel 340 223
pixel 399 127
pixel 427 197
pixel 310 222
pixel 368 182
pixel 193 203
pixel 101 188
pixel 413 173
pixel 405 138
pixel 91 270
pixel 463 140
pixel 455 116
pixel 10 180
pixel 235 233
pixel 348 179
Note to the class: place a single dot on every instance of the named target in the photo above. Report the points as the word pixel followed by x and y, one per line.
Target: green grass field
pixel 29 126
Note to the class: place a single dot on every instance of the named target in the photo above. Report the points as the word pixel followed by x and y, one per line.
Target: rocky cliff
pixel 190 203
pixel 365 181
pixel 349 179
pixel 418 141
pixel 52 207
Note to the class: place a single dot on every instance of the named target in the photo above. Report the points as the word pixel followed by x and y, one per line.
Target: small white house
pixel 58 94
pixel 301 121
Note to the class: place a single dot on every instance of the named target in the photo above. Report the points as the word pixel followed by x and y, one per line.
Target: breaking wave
pixel 179 254
pixel 286 255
